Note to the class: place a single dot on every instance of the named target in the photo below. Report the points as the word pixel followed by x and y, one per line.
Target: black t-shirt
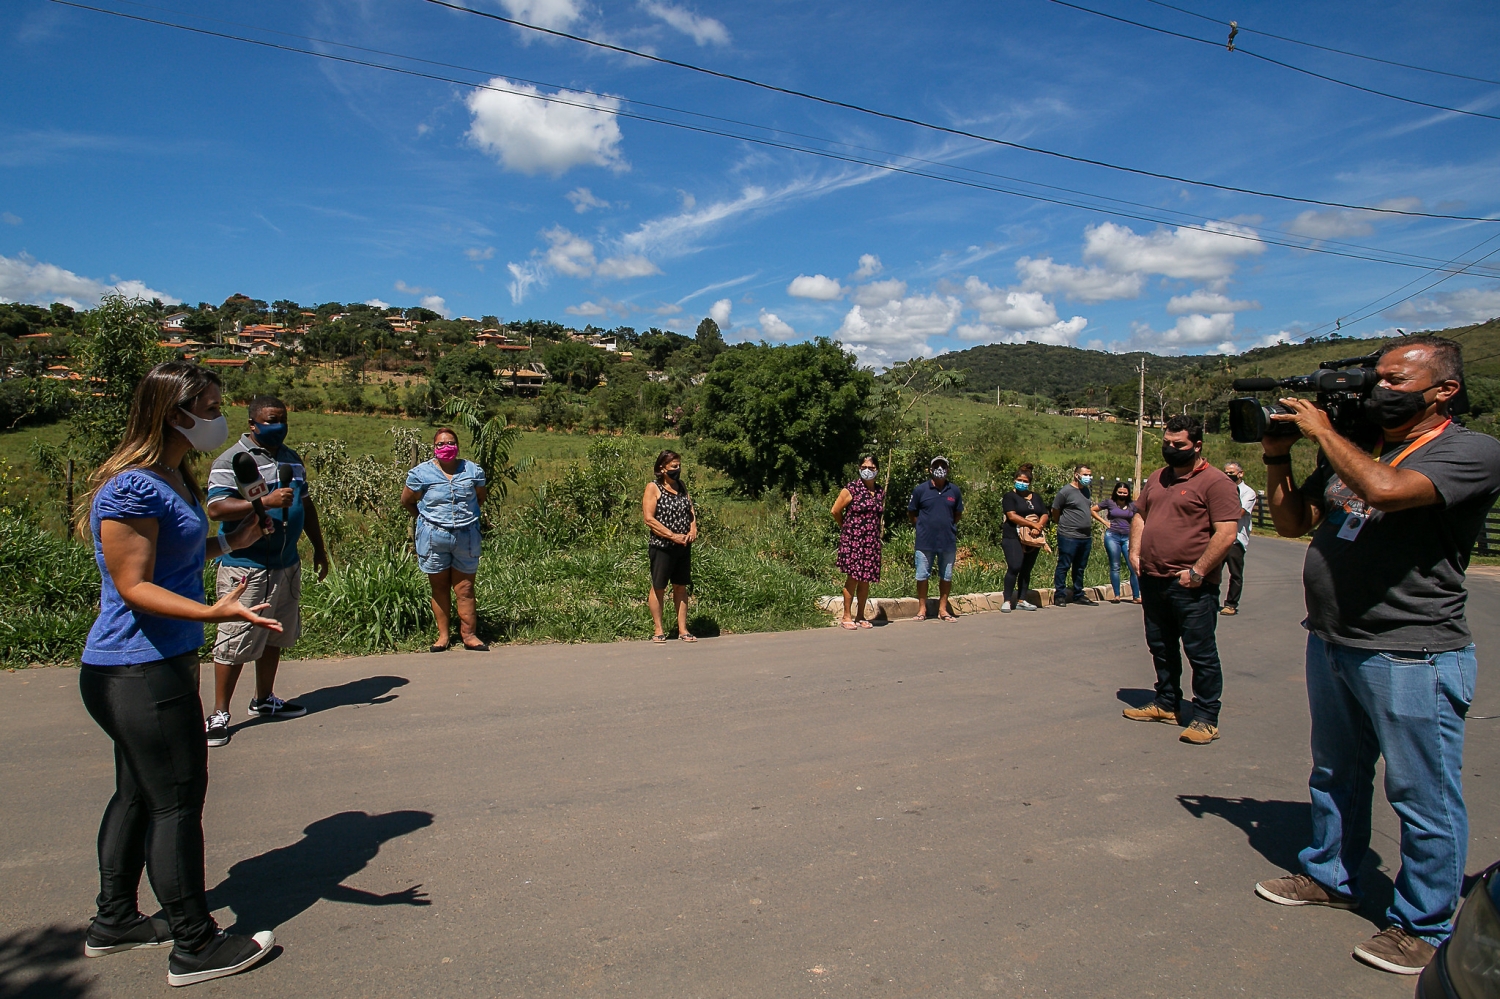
pixel 1014 502
pixel 1398 585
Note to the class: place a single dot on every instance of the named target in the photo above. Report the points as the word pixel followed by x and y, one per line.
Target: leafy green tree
pixel 493 442
pixel 468 372
pixel 710 340
pixel 575 364
pixel 784 417
pixel 118 350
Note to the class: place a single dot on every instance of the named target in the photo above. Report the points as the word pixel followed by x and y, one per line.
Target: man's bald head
pixel 1442 357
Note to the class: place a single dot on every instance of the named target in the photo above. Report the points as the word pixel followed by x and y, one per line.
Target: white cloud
pixel 773 328
pixel 555 14
pixel 1208 301
pixel 898 329
pixel 1081 284
pixel 532 136
pixel 22 279
pixel 523 277
pixel 869 266
pixel 880 292
pixel 1190 331
pixel 1014 315
pixel 719 312
pixel 436 304
pixel 569 254
pixel 702 30
pixel 1331 224
pixel 476 254
pixel 629 266
pixel 583 199
pixel 10 219
pixel 410 289
pixel 591 309
pixel 824 289
pixel 1448 308
pixel 1190 254
pixel 377 303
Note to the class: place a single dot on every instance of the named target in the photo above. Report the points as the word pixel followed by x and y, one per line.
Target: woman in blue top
pixel 1115 514
pixel 444 495
pixel 140 675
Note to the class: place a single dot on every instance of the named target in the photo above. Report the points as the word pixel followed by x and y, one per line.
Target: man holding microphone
pixel 1390 661
pixel 271 568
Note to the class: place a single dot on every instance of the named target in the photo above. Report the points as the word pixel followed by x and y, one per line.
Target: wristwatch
pixel 1194 575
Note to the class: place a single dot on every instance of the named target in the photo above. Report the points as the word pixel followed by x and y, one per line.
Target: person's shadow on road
pixel 1278 830
pixel 370 690
pixel 277 886
pixel 44 963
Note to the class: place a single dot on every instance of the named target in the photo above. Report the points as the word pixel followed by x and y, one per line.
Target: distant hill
pixel 1064 372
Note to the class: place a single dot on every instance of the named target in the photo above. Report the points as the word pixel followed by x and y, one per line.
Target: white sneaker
pixel 1005 607
pixel 1025 605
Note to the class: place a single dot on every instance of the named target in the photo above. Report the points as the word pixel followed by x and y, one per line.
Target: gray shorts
pixel 242 642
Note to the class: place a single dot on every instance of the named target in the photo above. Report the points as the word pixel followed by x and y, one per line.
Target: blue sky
pixel 144 157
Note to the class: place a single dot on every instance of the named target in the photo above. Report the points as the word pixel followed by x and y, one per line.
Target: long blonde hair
pixel 165 388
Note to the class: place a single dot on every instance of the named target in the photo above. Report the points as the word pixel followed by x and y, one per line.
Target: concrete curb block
pixel 905 608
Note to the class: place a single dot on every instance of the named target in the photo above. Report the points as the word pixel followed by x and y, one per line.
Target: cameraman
pixel 1390 662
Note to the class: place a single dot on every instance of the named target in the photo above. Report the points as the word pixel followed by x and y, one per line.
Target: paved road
pixel 922 809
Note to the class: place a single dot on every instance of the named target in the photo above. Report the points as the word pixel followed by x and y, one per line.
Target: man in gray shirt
pixel 1074 513
pixel 1390 660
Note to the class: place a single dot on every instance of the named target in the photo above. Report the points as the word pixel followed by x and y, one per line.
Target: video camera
pixel 1342 387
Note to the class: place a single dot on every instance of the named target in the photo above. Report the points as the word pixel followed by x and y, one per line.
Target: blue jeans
pixel 1118 547
pixel 1180 619
pixel 942 561
pixel 1410 708
pixel 1072 552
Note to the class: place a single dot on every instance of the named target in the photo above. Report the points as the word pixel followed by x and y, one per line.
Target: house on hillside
pixel 224 362
pixel 524 379
pixel 174 322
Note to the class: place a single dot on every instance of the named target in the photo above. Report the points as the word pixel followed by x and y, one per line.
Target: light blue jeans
pixel 1118 547
pixel 1410 708
pixel 942 561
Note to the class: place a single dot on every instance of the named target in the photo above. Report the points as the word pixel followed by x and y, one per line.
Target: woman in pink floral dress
pixel 859 512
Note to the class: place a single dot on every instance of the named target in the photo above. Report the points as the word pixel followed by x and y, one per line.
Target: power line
pixel 1452 274
pixel 1235 233
pixel 1266 58
pixel 1325 48
pixel 889 116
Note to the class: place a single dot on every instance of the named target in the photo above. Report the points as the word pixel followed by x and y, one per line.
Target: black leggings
pixel 1018 562
pixel 155 819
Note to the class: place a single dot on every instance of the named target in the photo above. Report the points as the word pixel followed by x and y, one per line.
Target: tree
pixel 785 417
pixel 469 372
pixel 118 351
pixel 710 340
pixel 493 442
pixel 575 364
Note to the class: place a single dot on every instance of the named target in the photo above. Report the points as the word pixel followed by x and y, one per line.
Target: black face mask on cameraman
pixel 1178 458
pixel 1391 409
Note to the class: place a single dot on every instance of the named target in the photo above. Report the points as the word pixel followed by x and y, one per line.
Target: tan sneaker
pixel 1396 951
pixel 1152 712
pixel 1199 733
pixel 1299 889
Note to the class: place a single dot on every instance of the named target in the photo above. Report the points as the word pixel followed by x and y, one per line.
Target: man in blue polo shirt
pixel 271 568
pixel 936 507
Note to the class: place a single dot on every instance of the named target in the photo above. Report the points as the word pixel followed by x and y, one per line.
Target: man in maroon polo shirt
pixel 1185 522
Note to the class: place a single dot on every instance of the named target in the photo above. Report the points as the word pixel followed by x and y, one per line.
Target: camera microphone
pixel 1256 384
pixel 252 487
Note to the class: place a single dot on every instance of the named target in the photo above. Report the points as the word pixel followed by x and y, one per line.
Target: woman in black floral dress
pixel 859 512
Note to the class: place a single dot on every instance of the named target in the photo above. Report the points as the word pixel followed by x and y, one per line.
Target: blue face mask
pixel 270 435
pixel 1085 480
pixel 1023 487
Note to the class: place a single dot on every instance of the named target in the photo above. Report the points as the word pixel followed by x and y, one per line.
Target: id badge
pixel 1353 524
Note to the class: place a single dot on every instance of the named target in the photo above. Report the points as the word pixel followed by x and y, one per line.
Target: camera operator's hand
pixel 1311 420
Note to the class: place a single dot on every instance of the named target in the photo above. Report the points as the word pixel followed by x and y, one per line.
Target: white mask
pixel 867 474
pixel 205 435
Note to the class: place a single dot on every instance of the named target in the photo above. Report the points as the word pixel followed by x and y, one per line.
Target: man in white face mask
pixel 935 508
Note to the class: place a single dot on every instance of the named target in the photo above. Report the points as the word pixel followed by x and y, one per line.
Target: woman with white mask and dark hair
pixel 140 674
pixel 859 513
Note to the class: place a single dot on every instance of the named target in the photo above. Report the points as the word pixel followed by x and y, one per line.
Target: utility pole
pixel 997 396
pixel 1140 428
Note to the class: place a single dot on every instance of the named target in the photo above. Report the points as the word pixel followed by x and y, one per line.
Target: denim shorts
pixel 439 548
pixel 943 559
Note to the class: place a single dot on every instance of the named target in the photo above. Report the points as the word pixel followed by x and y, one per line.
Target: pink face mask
pixel 446 452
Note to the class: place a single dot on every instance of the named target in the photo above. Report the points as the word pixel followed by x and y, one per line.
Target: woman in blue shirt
pixel 1115 514
pixel 444 495
pixel 140 675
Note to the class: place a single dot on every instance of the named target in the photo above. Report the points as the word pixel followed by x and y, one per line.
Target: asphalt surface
pixel 925 809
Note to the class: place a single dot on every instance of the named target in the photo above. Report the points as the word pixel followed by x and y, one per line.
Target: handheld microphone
pixel 252 487
pixel 284 476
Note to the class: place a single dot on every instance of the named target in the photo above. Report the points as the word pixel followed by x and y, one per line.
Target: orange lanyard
pixel 1422 441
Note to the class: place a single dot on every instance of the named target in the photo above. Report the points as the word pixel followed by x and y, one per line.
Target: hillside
pixel 1064 372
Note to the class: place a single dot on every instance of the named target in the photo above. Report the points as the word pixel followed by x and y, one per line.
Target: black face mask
pixel 674 474
pixel 1392 409
pixel 1178 459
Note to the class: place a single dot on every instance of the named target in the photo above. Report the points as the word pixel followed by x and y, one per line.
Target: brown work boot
pixel 1299 889
pixel 1396 951
pixel 1199 733
pixel 1152 712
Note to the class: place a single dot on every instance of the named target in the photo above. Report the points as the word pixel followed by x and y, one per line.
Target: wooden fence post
pixel 411 528
pixel 69 479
